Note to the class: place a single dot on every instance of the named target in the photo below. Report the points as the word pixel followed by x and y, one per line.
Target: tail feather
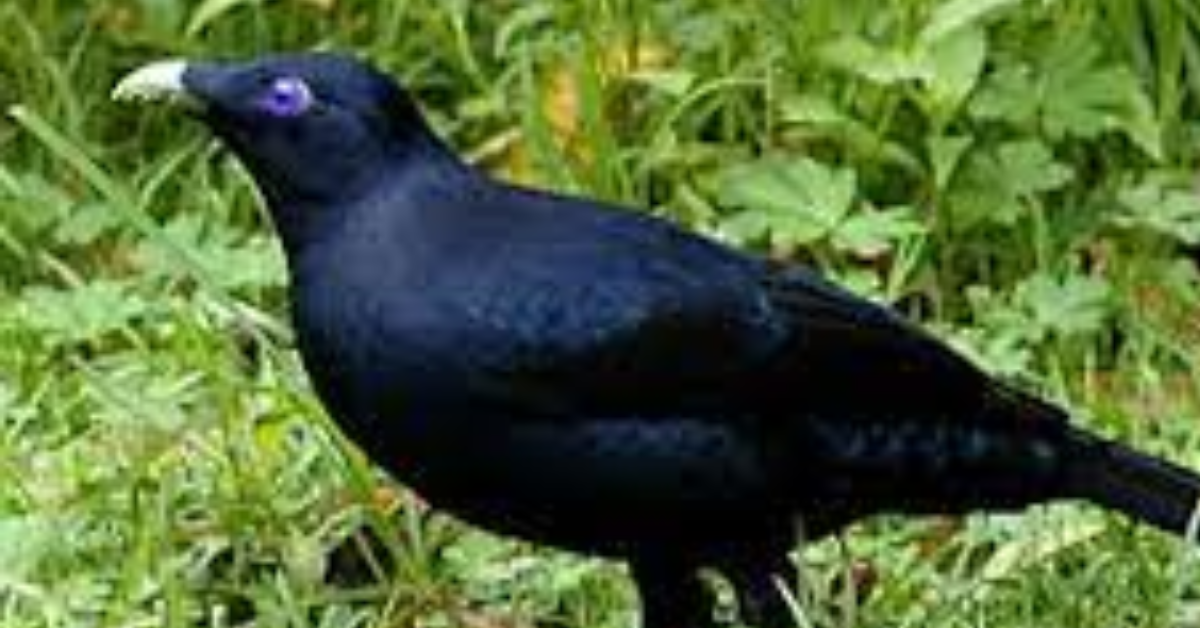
pixel 1146 488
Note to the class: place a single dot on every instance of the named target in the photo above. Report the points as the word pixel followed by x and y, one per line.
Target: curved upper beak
pixel 160 81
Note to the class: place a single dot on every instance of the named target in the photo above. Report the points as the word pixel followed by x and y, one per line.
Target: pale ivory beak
pixel 160 81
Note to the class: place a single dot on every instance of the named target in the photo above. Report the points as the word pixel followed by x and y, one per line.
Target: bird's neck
pixel 399 187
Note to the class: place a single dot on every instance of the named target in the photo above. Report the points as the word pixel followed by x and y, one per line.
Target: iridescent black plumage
pixel 594 378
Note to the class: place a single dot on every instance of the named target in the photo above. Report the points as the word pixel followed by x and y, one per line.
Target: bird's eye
pixel 286 97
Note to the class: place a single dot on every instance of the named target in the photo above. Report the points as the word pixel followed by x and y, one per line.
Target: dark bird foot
pixel 672 594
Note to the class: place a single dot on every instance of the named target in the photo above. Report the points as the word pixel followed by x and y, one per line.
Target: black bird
pixel 591 377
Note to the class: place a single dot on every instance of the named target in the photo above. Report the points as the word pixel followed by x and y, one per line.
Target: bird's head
pixel 312 128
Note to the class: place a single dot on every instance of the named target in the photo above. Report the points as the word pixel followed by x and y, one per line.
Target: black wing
pixel 596 310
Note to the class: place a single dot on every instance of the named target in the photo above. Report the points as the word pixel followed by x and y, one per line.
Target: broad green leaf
pixel 1002 336
pixel 779 185
pixel 997 184
pixel 1069 91
pixel 872 233
pixel 1080 96
pixel 25 542
pixel 813 109
pixel 1028 167
pixel 794 202
pixel 954 65
pixel 821 115
pixel 675 82
pixel 955 15
pixel 1174 213
pixel 85 223
pixel 1076 304
pixel 1009 94
pixel 83 313
pixel 945 156
pixel 884 66
pixel 231 259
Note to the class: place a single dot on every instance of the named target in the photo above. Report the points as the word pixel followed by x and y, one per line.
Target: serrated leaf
pixel 872 233
pixel 997 184
pixel 1079 96
pixel 25 542
pixel 1002 336
pixel 1070 91
pixel 85 224
pixel 1028 167
pixel 1174 213
pixel 780 185
pixel 86 312
pixel 1009 94
pixel 795 202
pixel 232 260
pixel 1076 304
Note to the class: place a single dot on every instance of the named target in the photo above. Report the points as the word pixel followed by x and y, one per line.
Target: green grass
pixel 1019 176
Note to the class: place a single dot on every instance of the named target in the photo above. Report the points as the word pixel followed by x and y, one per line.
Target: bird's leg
pixel 672 594
pixel 757 578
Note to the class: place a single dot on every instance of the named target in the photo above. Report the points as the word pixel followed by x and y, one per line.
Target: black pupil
pixel 287 96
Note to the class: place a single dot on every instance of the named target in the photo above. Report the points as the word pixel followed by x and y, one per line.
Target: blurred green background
pixel 1020 176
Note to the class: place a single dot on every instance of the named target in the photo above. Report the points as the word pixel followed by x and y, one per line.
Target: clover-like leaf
pixel 873 233
pixel 794 202
pixel 1155 207
pixel 1075 304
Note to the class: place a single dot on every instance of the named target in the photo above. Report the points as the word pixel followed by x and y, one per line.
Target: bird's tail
pixel 1146 488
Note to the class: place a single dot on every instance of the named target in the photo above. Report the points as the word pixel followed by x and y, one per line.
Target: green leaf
pixel 945 155
pixel 997 184
pixel 951 17
pixel 86 223
pixel 800 202
pixel 821 115
pixel 674 82
pixel 1028 167
pixel 883 66
pixel 1002 336
pixel 1079 96
pixel 210 11
pixel 83 313
pixel 1150 205
pixel 1025 553
pixel 815 109
pixel 954 66
pixel 1076 304
pixel 231 259
pixel 26 541
pixel 1070 92
pixel 873 233
pixel 794 202
pixel 1009 94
